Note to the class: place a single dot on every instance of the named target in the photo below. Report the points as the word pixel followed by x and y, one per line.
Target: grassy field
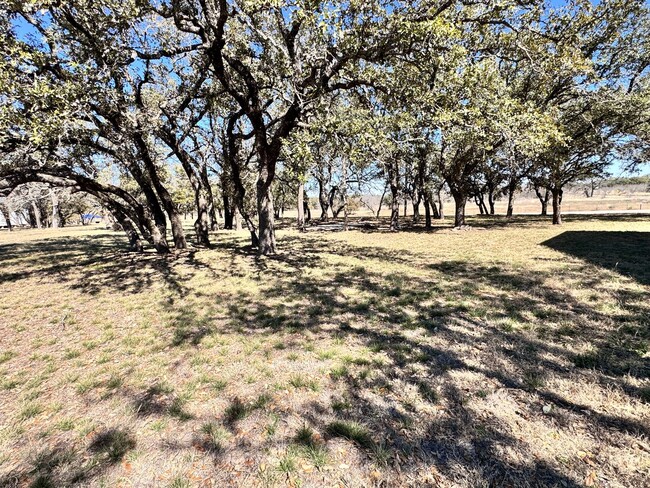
pixel 511 354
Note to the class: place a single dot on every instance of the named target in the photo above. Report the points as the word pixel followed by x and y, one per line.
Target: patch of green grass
pixel 272 426
pixel 177 409
pixel 114 382
pixel 381 453
pixel 237 410
pixel 341 405
pixel 287 464
pixel 533 380
pixel 158 425
pixel 113 444
pixel 9 384
pixel 427 392
pixel 305 436
pixel 65 425
pixel 352 431
pixel 84 386
pixel 29 410
pixel 71 353
pixel 309 448
pixel 216 435
pixel 218 385
pixel 6 356
pixel 180 482
pixel 587 360
pixel 327 354
pixel 339 372
pixel 302 381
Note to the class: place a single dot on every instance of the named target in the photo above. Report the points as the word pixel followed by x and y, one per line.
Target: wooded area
pixel 309 243
pixel 232 108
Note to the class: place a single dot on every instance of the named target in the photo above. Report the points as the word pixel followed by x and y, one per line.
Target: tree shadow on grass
pixel 397 313
pixel 430 322
pixel 627 253
pixel 67 465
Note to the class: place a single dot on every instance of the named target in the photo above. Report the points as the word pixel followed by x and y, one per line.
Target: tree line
pixel 233 107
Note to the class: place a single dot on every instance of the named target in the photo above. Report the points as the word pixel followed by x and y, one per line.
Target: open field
pixel 618 198
pixel 511 354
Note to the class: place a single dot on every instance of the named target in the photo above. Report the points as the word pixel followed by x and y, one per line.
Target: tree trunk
pixel 543 199
pixel 480 203
pixel 7 216
pixel 228 212
pixel 301 206
pixel 236 218
pixel 394 210
pixel 416 208
pixel 427 211
pixel 322 200
pixel 381 200
pixel 393 173
pixel 512 187
pixel 441 213
pixel 557 206
pixel 134 239
pixel 55 209
pixel 491 199
pixel 459 215
pixel 266 235
pixel 157 228
pixel 202 224
pixel 165 198
pixel 344 192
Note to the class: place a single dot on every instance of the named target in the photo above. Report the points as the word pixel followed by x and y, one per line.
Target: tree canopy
pixel 234 107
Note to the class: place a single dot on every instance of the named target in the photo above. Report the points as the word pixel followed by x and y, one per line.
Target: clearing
pixel 512 354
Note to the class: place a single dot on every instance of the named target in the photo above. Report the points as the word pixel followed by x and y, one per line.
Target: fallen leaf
pixel 591 478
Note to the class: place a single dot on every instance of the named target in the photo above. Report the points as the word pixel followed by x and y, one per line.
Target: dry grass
pixel 513 354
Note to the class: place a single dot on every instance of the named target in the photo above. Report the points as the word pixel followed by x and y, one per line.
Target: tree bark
pixel 394 189
pixel 543 199
pixel 512 187
pixel 131 233
pixel 228 211
pixel 266 232
pixel 459 215
pixel 322 200
pixel 55 209
pixel 441 213
pixel 416 207
pixel 157 229
pixel 34 215
pixel 178 233
pixel 344 192
pixel 491 199
pixel 7 216
pixel 427 211
pixel 301 206
pixel 557 206
pixel 381 200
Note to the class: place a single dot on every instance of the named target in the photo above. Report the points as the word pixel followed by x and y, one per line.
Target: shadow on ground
pixel 429 327
pixel 627 253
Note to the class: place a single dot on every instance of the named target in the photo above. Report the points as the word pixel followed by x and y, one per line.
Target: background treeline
pixel 231 108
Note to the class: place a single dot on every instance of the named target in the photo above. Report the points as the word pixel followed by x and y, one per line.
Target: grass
pixel 215 434
pixel 512 354
pixel 352 431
